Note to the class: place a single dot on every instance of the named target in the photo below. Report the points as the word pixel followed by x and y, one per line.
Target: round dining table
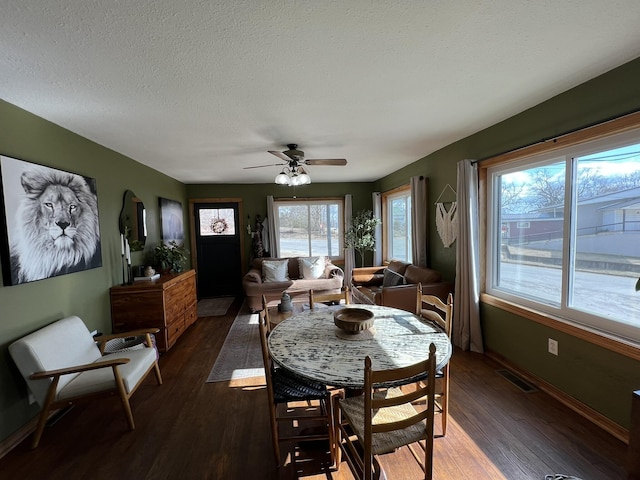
pixel 310 345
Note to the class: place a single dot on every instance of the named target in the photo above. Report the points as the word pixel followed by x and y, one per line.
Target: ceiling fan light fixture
pixel 295 180
pixel 294 176
pixel 282 178
pixel 303 177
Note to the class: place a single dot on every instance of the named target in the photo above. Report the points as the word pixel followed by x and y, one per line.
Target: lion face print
pixel 56 229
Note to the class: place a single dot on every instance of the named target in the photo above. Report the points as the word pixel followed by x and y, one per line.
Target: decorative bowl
pixel 353 320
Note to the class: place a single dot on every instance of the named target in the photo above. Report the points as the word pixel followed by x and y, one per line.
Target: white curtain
pixel 419 214
pixel 467 333
pixel 271 231
pixel 349 255
pixel 266 237
pixel 377 213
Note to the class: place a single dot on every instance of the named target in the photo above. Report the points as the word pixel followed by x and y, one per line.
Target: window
pixel 396 224
pixel 217 221
pixel 306 228
pixel 564 233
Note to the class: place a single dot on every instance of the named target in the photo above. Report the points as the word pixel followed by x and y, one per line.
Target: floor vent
pixel 517 381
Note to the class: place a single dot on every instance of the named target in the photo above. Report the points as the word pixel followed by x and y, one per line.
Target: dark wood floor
pixel 188 429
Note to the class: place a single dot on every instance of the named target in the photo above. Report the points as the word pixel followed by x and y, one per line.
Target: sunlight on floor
pixel 447 461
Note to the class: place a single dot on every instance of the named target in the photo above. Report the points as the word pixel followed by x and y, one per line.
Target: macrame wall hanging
pixel 446 220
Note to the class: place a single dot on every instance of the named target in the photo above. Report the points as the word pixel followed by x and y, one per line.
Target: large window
pixel 396 213
pixel 564 233
pixel 306 228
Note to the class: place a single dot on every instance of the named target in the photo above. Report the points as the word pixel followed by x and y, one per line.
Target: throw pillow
pixel 275 270
pixel 392 279
pixel 312 267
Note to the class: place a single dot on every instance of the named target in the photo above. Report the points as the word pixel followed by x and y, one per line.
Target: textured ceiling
pixel 199 89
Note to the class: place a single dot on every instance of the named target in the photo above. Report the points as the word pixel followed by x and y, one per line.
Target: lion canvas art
pixel 51 222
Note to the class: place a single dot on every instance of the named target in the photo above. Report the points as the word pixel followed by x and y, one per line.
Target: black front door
pixel 218 247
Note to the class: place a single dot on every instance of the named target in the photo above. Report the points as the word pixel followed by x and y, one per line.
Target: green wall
pixel 27 307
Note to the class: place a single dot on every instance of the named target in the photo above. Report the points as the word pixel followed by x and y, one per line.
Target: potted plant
pixel 361 234
pixel 170 257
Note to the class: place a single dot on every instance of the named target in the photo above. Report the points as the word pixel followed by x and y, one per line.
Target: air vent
pixel 517 381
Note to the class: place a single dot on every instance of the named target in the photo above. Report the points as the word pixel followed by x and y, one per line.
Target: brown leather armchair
pixel 367 282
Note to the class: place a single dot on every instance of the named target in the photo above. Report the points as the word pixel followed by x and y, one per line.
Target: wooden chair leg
pixel 328 407
pixel 124 399
pixel 274 432
pixel 44 414
pixel 444 416
pixel 445 402
pixel 337 433
pixel 156 371
pixel 37 435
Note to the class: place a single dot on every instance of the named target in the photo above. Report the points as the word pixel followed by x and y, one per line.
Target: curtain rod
pixel 560 135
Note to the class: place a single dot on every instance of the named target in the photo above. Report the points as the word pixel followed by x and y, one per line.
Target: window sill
pixel 601 339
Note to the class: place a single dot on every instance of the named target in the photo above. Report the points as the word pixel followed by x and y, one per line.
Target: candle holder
pixel 124 270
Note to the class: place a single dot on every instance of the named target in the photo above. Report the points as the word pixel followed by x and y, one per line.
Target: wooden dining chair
pixel 265 309
pixel 404 297
pixel 440 313
pixel 344 295
pixel 284 390
pixel 385 419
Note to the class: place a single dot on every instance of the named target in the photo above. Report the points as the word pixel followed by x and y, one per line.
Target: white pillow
pixel 275 270
pixel 312 267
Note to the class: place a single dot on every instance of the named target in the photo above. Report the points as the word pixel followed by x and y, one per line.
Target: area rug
pixel 241 355
pixel 214 307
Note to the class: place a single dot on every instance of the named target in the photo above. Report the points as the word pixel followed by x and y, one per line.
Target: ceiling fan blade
pixel 260 166
pixel 280 155
pixel 326 161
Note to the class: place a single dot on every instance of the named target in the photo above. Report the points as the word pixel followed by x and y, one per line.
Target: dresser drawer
pixel 191 315
pixel 174 331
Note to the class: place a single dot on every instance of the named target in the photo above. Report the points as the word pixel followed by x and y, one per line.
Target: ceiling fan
pixel 293 172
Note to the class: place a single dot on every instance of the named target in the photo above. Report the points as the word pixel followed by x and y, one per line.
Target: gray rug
pixel 241 355
pixel 214 307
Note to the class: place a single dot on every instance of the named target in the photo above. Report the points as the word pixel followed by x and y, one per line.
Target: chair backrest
pixel 64 343
pixel 266 357
pixel 414 391
pixel 440 313
pixel 329 297
pixel 404 297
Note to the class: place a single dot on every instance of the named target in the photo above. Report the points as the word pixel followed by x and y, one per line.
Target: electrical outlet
pixel 553 346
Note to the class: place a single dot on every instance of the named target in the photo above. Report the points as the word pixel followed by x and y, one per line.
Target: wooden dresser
pixel 169 303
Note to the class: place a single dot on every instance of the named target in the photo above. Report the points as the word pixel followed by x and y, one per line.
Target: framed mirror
pixel 133 221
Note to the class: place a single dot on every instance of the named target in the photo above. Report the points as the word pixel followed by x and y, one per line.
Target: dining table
pixel 310 345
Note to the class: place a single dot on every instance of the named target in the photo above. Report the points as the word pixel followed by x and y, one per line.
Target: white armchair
pixel 63 364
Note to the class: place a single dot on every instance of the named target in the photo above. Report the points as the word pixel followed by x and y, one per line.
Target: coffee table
pixel 276 316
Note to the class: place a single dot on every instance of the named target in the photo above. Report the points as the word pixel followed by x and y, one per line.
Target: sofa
pixel 296 275
pixel 367 282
